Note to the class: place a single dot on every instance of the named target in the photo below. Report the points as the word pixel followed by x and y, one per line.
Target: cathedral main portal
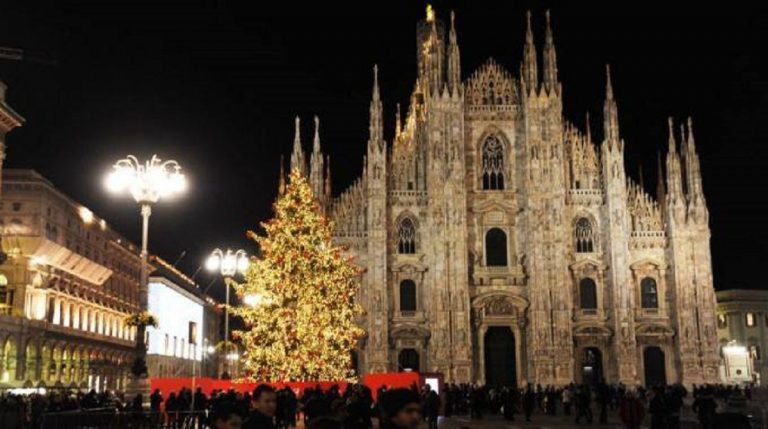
pixel 500 362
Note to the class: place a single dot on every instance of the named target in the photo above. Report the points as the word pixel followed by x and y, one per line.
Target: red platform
pixel 373 381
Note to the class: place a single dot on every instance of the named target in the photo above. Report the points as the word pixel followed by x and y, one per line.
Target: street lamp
pixel 147 183
pixel 228 264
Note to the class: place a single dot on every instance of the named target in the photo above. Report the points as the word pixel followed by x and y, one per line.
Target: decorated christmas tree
pixel 299 296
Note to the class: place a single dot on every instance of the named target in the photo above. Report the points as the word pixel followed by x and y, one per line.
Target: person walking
pixel 529 402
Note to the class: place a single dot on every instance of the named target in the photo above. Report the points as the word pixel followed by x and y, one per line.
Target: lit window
pixel 585 236
pixel 649 293
pixel 493 164
pixel 722 321
pixel 406 237
pixel 749 318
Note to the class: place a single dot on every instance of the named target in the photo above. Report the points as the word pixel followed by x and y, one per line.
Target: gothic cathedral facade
pixel 500 244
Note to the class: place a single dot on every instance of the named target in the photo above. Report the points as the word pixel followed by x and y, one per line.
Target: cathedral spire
pixel 375 126
pixel 692 168
pixel 588 128
pixel 316 141
pixel 454 58
pixel 316 164
pixel 327 192
pixel 297 156
pixel 661 190
pixel 674 175
pixel 529 72
pixel 281 180
pixel 398 123
pixel 610 111
pixel 550 59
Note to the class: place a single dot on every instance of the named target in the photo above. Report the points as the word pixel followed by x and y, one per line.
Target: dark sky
pixel 216 85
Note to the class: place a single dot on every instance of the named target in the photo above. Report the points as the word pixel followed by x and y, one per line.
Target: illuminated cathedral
pixel 502 243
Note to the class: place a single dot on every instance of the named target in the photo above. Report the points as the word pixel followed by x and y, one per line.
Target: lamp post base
pixel 137 386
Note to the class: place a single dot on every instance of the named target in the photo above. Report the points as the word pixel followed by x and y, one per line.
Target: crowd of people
pixel 354 406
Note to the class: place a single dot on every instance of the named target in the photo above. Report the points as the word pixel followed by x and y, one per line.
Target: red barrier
pixel 208 385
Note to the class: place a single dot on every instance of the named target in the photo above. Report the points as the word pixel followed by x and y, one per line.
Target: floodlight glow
pixel 146 182
pixel 86 215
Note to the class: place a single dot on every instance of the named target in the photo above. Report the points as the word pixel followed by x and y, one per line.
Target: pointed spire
pixel 588 128
pixel 316 141
pixel 297 156
pixel 610 111
pixel 550 59
pixel 281 180
pixel 661 190
pixel 674 174
pixel 683 140
pixel 529 70
pixel 316 164
pixel 691 142
pixel 398 123
pixel 641 179
pixel 327 192
pixel 375 126
pixel 454 58
pixel 671 144
pixel 376 95
pixel 693 169
pixel 608 83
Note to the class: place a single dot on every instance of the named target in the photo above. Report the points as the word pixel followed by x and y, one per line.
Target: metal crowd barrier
pixel 112 418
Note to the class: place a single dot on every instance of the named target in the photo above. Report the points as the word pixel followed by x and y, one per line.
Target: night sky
pixel 216 85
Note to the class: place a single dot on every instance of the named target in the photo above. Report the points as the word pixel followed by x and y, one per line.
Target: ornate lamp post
pixel 228 264
pixel 147 183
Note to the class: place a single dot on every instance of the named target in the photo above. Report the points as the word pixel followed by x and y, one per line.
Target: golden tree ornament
pixel 302 289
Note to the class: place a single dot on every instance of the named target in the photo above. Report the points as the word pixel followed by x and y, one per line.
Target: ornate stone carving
pixel 499 306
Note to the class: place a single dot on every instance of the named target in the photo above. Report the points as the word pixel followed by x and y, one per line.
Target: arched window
pixel 585 236
pixel 587 294
pixel 493 164
pixel 406 241
pixel 649 293
pixel 496 248
pixel 407 295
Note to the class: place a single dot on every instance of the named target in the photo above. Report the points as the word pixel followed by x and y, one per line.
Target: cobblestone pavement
pixel 539 422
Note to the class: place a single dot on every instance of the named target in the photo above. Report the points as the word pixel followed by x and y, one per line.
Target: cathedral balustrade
pixel 648 234
pixel 407 316
pixel 639 240
pixel 585 196
pixel 490 108
pixel 650 313
pixel 589 315
pixel 407 194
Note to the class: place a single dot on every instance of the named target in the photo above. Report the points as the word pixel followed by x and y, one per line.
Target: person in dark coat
pixel 529 402
pixel 658 409
pixel 509 403
pixel 631 411
pixel 155 400
pixel 583 404
pixel 264 407
pixel 431 407
pixel 705 408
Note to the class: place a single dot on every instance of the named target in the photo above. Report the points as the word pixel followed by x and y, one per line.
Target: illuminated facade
pixel 71 281
pixel 188 323
pixel 742 316
pixel 502 243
